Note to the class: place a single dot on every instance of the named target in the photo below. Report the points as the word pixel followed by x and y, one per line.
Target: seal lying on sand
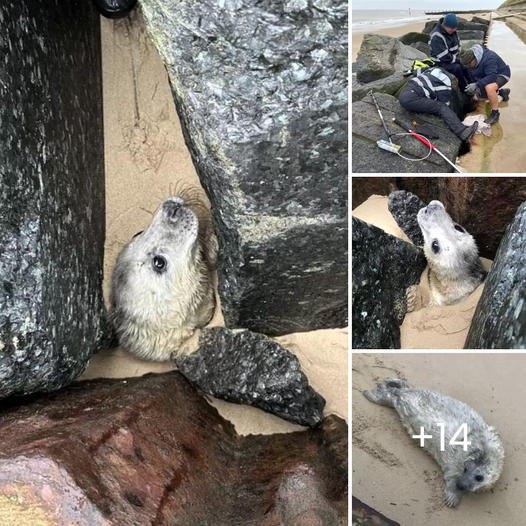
pixel 455 270
pixel 161 288
pixel 476 469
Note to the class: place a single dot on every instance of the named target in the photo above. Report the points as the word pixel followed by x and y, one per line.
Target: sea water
pixel 373 19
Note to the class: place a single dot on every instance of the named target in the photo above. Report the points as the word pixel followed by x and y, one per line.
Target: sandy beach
pixel 146 161
pixel 394 476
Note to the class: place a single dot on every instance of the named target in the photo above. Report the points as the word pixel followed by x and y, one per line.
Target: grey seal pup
pixel 455 270
pixel 476 469
pixel 161 288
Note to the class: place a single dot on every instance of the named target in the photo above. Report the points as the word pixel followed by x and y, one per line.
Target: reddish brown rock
pixel 151 450
pixel 364 187
pixel 363 515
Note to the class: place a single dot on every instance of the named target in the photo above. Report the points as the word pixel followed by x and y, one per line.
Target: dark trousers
pixel 412 101
pixel 500 82
pixel 459 72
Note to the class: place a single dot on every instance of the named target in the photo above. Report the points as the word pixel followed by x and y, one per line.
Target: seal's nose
pixel 461 486
pixel 171 206
pixel 435 204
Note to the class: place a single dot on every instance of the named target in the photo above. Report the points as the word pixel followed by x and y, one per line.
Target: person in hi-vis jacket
pixel 430 92
pixel 444 48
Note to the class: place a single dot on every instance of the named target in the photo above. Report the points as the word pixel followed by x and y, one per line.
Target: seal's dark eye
pixel 459 228
pixel 137 234
pixel 435 247
pixel 159 264
pixel 479 478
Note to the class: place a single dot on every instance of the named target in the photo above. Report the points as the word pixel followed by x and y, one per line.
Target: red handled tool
pixel 427 143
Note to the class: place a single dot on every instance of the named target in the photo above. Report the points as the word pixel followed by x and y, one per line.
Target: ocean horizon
pixel 368 19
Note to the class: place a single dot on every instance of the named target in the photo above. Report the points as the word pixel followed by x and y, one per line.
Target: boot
pixel 505 94
pixel 114 8
pixel 469 131
pixel 493 117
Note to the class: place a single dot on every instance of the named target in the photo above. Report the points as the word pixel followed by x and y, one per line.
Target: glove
pixel 470 88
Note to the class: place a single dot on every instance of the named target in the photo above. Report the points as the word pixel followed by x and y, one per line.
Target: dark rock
pixel 471 35
pixel 463 24
pixel 51 193
pixel 404 207
pixel 363 515
pixel 380 56
pixel 151 450
pixel 499 321
pixel 247 368
pixel 367 129
pixel 261 90
pixel 478 20
pixel 383 268
pixel 411 38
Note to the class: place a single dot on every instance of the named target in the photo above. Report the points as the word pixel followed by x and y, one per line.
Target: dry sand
pixel 444 327
pixel 392 474
pixel 147 161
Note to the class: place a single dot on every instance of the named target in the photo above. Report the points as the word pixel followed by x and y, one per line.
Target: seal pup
pixel 455 270
pixel 161 288
pixel 474 470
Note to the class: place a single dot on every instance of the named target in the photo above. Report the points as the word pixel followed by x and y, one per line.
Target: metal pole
pixel 381 116
pixel 426 142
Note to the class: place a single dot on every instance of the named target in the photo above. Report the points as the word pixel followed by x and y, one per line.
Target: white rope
pixel 415 160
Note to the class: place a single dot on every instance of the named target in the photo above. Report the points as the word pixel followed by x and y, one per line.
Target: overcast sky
pixel 427 5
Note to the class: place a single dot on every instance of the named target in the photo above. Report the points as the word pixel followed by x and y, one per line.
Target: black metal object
pixel 381 116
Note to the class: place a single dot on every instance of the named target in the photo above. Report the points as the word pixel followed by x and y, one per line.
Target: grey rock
pixel 367 129
pixel 383 268
pixel 261 90
pixel 467 44
pixel 248 368
pixel 499 321
pixel 404 207
pixel 380 56
pixel 51 193
pixel 470 34
pixel 390 85
pixel 423 48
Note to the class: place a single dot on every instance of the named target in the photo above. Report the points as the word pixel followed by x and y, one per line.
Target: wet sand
pixel 146 161
pixel 444 327
pixel 504 151
pixel 390 471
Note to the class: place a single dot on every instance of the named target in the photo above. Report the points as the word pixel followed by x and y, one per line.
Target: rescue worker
pixel 430 92
pixel 444 47
pixel 488 73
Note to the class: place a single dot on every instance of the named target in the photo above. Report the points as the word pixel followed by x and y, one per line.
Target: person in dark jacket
pixel 430 92
pixel 444 47
pixel 488 73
